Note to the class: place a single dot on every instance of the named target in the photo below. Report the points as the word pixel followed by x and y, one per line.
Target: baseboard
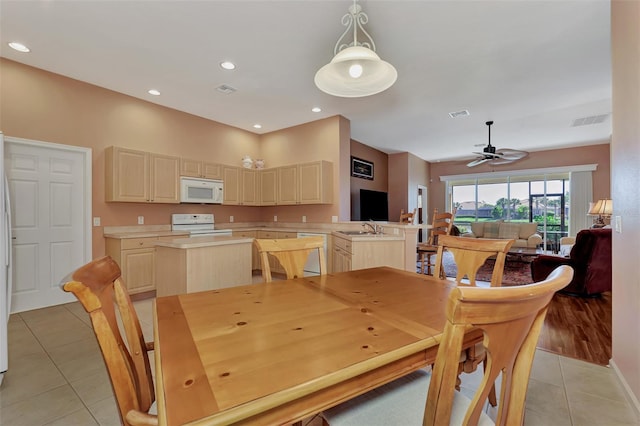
pixel 630 395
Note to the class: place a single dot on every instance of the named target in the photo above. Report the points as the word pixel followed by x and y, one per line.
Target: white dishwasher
pixel 312 267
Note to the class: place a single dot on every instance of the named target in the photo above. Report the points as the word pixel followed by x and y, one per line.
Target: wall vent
pixel 456 114
pixel 586 121
pixel 226 89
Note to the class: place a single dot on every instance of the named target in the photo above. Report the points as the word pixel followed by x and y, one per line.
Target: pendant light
pixel 355 70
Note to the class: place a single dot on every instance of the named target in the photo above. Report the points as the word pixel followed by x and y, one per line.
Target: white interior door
pixel 47 186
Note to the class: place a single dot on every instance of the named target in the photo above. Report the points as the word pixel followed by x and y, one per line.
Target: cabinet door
pixel 191 168
pixel 126 175
pixel 165 178
pixel 268 187
pixel 138 269
pixel 316 183
pixel 255 256
pixel 250 196
pixel 232 185
pixel 341 260
pixel 288 185
pixel 212 170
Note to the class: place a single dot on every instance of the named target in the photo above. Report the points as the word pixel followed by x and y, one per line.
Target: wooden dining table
pixel 279 352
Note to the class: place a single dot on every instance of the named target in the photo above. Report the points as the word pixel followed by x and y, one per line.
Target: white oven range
pixel 197 225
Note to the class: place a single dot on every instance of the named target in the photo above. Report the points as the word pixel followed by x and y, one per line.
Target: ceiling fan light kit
pixel 355 70
pixel 493 157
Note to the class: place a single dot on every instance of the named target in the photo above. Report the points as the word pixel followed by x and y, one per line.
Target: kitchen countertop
pixel 196 242
pixel 369 237
pixel 145 234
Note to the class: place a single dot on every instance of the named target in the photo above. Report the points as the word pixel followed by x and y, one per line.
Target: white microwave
pixel 202 191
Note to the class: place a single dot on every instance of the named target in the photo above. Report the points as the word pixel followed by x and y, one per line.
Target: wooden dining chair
pixel 511 319
pixel 407 218
pixel 470 254
pixel 99 288
pixel 441 225
pixel 292 253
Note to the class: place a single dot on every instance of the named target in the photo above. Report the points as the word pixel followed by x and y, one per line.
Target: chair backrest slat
pixel 292 253
pixel 471 253
pixel 511 319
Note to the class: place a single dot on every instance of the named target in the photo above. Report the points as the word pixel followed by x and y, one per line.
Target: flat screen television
pixel 374 205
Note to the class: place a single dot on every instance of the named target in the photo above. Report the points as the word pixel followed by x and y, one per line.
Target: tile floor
pixel 56 377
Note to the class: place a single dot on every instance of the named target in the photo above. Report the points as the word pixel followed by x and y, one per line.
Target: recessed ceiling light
pixel 228 65
pixel 19 47
pixel 316 109
pixel 257 126
pixel 154 92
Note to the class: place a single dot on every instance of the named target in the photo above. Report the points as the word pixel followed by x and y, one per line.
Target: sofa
pixel 525 233
pixel 590 258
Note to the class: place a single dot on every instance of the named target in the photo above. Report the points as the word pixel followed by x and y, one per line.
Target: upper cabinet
pixel 307 183
pixel 268 179
pixel 142 177
pixel 200 169
pixel 232 179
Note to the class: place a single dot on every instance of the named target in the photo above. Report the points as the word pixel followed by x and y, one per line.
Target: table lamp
pixel 602 209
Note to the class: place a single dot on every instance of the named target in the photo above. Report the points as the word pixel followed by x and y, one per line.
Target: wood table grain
pixel 277 353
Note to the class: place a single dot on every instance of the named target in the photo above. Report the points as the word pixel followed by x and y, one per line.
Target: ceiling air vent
pixel 456 114
pixel 226 89
pixel 586 121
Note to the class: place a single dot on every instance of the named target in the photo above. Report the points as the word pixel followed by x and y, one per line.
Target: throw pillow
pixel 477 228
pixel 491 229
pixel 528 229
pixel 509 230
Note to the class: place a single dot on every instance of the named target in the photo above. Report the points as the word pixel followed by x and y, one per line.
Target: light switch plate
pixel 140 220
pixel 304 219
pixel 618 224
pixel 334 219
pixel 96 221
pixel 231 219
pixel 275 218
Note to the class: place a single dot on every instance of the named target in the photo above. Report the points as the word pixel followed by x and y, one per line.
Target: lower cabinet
pixel 137 260
pixel 348 255
pixel 255 257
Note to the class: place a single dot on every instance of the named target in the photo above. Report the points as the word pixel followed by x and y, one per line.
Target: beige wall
pixel 380 175
pixel 40 105
pixel 593 154
pixel 318 140
pixel 625 157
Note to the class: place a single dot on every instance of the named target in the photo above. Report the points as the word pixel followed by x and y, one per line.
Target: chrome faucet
pixel 377 229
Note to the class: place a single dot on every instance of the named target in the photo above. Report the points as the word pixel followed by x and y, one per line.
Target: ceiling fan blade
pixel 477 161
pixel 512 154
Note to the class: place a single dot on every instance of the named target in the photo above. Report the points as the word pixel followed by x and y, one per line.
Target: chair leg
pixel 492 393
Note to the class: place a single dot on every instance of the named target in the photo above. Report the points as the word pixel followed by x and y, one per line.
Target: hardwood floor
pixel 579 328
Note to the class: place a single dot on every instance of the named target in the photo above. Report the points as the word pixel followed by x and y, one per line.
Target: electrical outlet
pixel 140 220
pixel 275 218
pixel 396 231
pixel 96 221
pixel 230 219
pixel 304 219
pixel 334 219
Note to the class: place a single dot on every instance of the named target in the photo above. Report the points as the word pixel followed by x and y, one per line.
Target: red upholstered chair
pixel 590 259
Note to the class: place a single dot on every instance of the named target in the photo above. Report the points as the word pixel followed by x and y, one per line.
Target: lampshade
pixel 602 208
pixel 355 70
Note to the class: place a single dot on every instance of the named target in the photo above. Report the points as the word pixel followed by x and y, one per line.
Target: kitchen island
pixel 187 265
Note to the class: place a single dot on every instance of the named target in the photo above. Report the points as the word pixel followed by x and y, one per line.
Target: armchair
pixel 590 258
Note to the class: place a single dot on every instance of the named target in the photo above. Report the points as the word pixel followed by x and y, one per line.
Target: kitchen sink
pixel 361 233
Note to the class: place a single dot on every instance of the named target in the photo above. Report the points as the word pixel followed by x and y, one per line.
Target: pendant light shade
pixel 355 70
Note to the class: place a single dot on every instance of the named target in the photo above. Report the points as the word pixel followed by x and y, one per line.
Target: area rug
pixel 516 270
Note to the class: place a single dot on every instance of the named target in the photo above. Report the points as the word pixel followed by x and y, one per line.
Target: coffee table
pixel 524 254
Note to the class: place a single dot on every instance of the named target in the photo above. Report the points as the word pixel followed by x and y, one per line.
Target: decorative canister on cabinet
pixel 259 163
pixel 247 162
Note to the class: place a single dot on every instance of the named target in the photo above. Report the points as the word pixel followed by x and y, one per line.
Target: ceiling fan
pixel 495 157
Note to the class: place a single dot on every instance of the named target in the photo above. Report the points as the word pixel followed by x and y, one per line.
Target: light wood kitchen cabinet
pixel 232 178
pixel 307 183
pixel 142 177
pixel 137 260
pixel 348 255
pixel 200 169
pixel 315 183
pixel 268 187
pixel 288 185
pixel 250 188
